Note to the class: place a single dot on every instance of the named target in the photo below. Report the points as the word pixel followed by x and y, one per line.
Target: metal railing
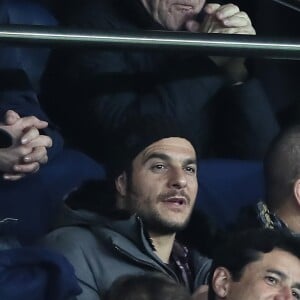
pixel 212 44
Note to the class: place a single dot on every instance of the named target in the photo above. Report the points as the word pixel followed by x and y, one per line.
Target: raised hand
pixel 225 19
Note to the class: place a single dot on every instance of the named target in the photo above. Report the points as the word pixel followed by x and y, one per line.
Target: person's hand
pixel 225 19
pixel 28 149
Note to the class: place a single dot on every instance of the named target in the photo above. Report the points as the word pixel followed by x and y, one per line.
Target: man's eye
pixel 158 167
pixel 296 295
pixel 190 169
pixel 271 280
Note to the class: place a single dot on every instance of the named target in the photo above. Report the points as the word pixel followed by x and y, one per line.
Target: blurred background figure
pixel 148 286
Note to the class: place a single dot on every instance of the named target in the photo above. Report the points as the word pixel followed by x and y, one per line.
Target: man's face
pixel 276 275
pixel 173 14
pixel 163 185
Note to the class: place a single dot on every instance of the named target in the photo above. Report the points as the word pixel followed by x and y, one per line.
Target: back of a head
pixel 282 167
pixel 150 286
pixel 243 248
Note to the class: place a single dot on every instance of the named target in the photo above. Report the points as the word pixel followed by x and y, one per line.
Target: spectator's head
pixel 282 172
pixel 173 14
pixel 151 286
pixel 256 265
pixel 157 173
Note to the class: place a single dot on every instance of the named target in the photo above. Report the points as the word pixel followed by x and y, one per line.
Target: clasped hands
pixel 28 149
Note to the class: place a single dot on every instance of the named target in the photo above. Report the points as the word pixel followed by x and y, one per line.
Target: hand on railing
pixel 225 19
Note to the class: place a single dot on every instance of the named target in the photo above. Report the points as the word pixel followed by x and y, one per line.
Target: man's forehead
pixel 171 146
pixel 280 260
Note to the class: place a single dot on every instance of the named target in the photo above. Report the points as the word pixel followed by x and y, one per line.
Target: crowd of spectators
pixel 148 117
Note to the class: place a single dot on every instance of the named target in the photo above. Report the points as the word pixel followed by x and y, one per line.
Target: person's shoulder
pixel 68 239
pixel 199 259
pixel 79 246
pixel 202 266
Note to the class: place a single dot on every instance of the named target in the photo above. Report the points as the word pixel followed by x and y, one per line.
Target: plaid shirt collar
pixel 270 220
pixel 179 262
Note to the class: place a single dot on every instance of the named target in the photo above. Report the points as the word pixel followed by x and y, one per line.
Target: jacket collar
pixel 131 228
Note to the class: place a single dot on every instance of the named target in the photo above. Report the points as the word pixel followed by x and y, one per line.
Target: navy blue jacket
pixel 36 274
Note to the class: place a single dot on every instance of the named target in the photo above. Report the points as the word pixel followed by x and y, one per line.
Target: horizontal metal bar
pixel 292 4
pixel 212 44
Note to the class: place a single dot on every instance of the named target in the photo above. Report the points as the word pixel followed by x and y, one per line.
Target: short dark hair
pixel 243 248
pixel 282 167
pixel 149 286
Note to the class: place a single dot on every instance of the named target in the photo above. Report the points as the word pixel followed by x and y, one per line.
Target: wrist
pixel 236 72
pixel 234 69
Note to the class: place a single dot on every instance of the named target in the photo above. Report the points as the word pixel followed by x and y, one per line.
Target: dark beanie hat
pixel 138 133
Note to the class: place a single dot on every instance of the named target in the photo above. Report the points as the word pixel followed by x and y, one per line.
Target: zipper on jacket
pixel 123 252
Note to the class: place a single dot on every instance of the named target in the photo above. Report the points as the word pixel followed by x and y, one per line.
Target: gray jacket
pixel 101 250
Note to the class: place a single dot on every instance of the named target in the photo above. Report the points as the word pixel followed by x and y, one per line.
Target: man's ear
pixel 121 184
pixel 221 282
pixel 297 191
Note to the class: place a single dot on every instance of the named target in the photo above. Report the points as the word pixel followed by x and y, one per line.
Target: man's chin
pixel 164 227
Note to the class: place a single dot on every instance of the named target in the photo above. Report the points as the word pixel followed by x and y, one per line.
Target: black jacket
pixel 94 91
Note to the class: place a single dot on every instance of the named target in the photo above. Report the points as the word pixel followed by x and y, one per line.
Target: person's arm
pixel 73 243
pixel 93 91
pixel 225 19
pixel 16 94
pixel 251 106
pixel 257 120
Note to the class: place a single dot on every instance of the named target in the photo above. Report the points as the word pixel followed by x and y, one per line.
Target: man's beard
pixel 154 222
pixel 151 218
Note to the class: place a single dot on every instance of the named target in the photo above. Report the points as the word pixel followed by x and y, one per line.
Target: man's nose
pixel 284 293
pixel 177 178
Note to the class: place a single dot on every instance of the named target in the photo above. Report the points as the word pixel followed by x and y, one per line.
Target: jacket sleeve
pixel 105 87
pixel 17 94
pixel 202 267
pixel 249 106
pixel 102 84
pixel 71 242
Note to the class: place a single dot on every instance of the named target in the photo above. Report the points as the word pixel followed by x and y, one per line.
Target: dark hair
pixel 282 167
pixel 243 248
pixel 138 132
pixel 149 286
